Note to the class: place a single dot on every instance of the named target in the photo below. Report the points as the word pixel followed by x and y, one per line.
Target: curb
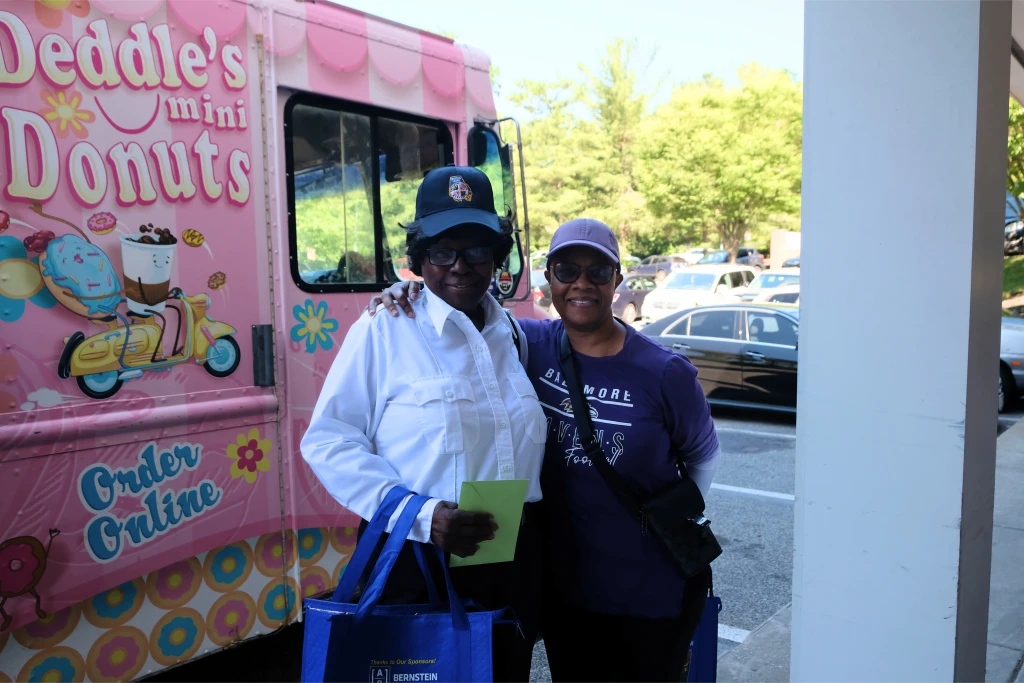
pixel 764 656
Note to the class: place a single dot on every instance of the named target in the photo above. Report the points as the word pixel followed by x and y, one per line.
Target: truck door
pixel 352 172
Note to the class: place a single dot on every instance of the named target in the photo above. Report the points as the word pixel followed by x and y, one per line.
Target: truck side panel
pixel 141 523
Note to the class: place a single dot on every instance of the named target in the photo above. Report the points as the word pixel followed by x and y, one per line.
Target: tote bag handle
pixel 364 549
pixel 387 559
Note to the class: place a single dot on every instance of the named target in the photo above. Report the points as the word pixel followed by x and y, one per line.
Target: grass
pixel 1013 276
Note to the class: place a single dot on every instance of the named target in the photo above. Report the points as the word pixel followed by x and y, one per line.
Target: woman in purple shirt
pixel 617 611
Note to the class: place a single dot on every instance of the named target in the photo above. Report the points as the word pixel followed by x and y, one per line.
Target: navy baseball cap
pixel 585 232
pixel 455 195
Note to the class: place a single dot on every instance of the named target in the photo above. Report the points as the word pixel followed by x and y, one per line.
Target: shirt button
pixel 492 386
pixel 506 468
pixel 449 394
pixel 503 424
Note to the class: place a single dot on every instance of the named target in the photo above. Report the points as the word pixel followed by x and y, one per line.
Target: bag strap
pixel 386 562
pixel 515 336
pixel 622 489
pixel 368 543
pixel 428 577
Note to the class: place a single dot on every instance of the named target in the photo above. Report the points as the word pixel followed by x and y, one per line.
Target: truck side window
pixel 353 172
pixel 334 212
pixel 407 151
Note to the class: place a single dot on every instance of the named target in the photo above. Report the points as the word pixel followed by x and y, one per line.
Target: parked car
pixel 768 281
pixel 786 294
pixel 1013 238
pixel 628 299
pixel 746 354
pixel 659 267
pixel 541 289
pixel 745 256
pixel 1011 361
pixel 697 286
pixel 693 256
pixel 628 261
pixel 791 263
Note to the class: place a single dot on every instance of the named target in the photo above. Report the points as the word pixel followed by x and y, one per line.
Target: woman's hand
pixel 400 293
pixel 459 532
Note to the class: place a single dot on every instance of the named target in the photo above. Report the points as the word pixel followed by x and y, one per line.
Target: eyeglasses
pixel 598 273
pixel 474 256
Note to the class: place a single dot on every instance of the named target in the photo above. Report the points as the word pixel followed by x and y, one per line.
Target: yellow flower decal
pixel 250 454
pixel 314 326
pixel 64 109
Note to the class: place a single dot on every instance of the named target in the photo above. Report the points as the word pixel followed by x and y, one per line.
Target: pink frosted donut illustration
pixel 22 564
pixel 117 655
pixel 231 618
pixel 175 584
pixel 50 630
pixel 101 223
pixel 275 551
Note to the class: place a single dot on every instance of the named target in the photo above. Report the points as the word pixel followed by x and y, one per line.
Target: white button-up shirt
pixel 426 403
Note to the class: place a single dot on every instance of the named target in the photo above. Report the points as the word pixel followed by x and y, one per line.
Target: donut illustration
pixel 343 538
pixel 231 618
pixel 175 584
pixel 312 546
pixel 51 630
pixel 22 565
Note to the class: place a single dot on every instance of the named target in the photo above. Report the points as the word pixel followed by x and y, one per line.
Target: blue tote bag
pixel 395 643
pixel 703 658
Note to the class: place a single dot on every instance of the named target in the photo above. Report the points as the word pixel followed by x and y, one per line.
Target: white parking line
pixel 752 432
pixel 731 633
pixel 755 492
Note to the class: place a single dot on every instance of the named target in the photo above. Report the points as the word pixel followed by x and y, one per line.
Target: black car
pixel 745 256
pixel 791 263
pixel 746 354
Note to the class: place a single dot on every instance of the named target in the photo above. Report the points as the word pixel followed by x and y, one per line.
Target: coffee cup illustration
pixel 147 273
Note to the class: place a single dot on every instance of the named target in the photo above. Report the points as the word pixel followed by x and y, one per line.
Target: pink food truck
pixel 197 198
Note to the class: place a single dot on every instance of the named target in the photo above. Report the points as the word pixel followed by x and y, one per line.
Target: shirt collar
pixel 438 310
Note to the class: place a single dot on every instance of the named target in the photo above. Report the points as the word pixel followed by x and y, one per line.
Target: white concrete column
pixel 904 167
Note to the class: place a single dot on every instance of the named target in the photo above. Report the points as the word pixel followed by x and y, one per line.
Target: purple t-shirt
pixel 650 414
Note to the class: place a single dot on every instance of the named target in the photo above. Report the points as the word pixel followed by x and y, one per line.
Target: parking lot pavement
pixel 751 510
pixel 1011 416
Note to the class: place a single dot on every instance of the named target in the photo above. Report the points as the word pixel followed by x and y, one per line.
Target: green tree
pixel 725 159
pixel 556 169
pixel 1015 158
pixel 579 143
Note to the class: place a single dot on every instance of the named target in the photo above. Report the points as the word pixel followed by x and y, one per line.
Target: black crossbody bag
pixel 674 515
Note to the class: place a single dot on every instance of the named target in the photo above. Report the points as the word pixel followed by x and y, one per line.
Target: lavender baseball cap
pixel 585 232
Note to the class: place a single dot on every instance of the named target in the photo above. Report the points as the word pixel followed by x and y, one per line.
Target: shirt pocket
pixel 533 414
pixel 448 414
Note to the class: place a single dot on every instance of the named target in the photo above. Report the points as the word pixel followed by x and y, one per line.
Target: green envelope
pixel 504 500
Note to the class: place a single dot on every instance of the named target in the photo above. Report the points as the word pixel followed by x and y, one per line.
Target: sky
pixel 545 39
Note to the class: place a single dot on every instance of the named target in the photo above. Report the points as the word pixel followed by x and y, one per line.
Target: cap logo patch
pixel 458 189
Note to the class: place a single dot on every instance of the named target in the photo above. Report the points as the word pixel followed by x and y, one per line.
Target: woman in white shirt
pixel 432 401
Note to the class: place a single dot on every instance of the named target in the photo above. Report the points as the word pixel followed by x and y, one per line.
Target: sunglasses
pixel 598 274
pixel 474 256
